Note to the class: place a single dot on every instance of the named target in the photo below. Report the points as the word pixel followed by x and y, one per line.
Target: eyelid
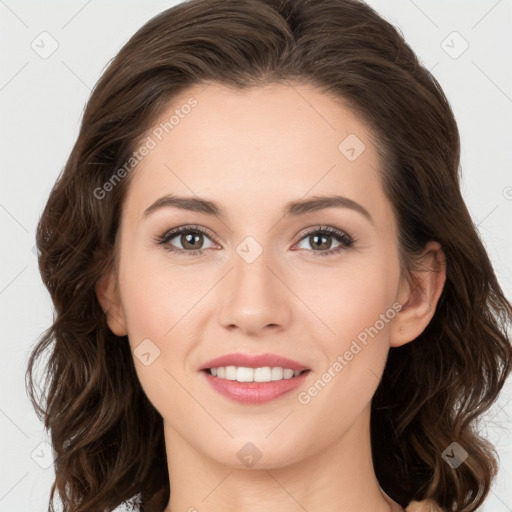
pixel 322 228
pixel 342 236
pixel 189 227
pixel 174 232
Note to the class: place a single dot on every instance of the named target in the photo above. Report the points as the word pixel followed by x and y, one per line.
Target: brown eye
pixel 321 241
pixel 191 241
pixel 185 240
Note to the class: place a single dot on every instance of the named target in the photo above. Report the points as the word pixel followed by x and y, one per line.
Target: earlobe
pixel 109 299
pixel 419 296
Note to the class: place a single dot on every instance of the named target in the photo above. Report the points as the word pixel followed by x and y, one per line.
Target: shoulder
pixel 423 506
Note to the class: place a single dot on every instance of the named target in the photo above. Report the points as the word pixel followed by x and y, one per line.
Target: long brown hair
pixel 107 435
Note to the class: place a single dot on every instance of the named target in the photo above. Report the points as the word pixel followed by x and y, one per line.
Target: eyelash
pixel 340 236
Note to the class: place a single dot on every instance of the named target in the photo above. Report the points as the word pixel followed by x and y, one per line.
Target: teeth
pixel 263 374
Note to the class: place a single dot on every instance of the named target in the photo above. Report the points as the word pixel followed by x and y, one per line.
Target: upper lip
pixel 253 361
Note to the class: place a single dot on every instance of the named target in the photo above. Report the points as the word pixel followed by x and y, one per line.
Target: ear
pixel 419 296
pixel 109 299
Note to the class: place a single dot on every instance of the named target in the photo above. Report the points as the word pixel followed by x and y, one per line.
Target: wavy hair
pixel 107 436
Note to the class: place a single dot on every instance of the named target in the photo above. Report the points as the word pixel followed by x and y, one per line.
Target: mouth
pixel 244 363
pixel 253 378
pixel 263 374
pixel 252 385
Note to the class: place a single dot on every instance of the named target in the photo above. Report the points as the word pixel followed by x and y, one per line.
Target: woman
pixel 269 292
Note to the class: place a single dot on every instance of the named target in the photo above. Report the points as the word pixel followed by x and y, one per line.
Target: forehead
pixel 256 147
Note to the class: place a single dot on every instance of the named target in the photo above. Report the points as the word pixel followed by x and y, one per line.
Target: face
pixel 319 285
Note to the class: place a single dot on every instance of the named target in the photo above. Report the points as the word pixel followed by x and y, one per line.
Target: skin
pixel 253 151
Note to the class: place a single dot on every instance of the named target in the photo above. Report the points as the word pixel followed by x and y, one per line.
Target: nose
pixel 254 297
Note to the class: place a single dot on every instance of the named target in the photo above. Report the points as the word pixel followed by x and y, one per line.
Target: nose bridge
pixel 255 295
pixel 251 267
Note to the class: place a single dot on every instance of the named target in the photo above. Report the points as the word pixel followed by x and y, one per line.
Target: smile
pixel 253 392
pixel 262 374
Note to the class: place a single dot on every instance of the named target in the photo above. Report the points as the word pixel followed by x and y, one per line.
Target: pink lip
pixel 254 392
pixel 253 361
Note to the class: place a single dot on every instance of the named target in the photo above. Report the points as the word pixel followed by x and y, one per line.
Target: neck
pixel 340 478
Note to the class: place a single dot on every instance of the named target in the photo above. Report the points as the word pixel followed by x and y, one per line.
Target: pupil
pixel 320 245
pixel 189 239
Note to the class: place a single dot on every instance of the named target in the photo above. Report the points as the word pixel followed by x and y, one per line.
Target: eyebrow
pixel 293 208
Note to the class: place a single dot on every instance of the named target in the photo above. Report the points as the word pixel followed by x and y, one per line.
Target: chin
pixel 258 452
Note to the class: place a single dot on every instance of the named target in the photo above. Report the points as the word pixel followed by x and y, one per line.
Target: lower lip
pixel 254 392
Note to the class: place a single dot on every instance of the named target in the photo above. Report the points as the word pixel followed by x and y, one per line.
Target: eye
pixel 317 237
pixel 189 237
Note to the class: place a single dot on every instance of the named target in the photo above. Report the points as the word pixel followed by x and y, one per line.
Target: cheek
pixel 158 302
pixel 156 294
pixel 356 305
pixel 351 297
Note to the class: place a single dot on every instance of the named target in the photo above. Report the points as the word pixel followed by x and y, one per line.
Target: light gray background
pixel 41 102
